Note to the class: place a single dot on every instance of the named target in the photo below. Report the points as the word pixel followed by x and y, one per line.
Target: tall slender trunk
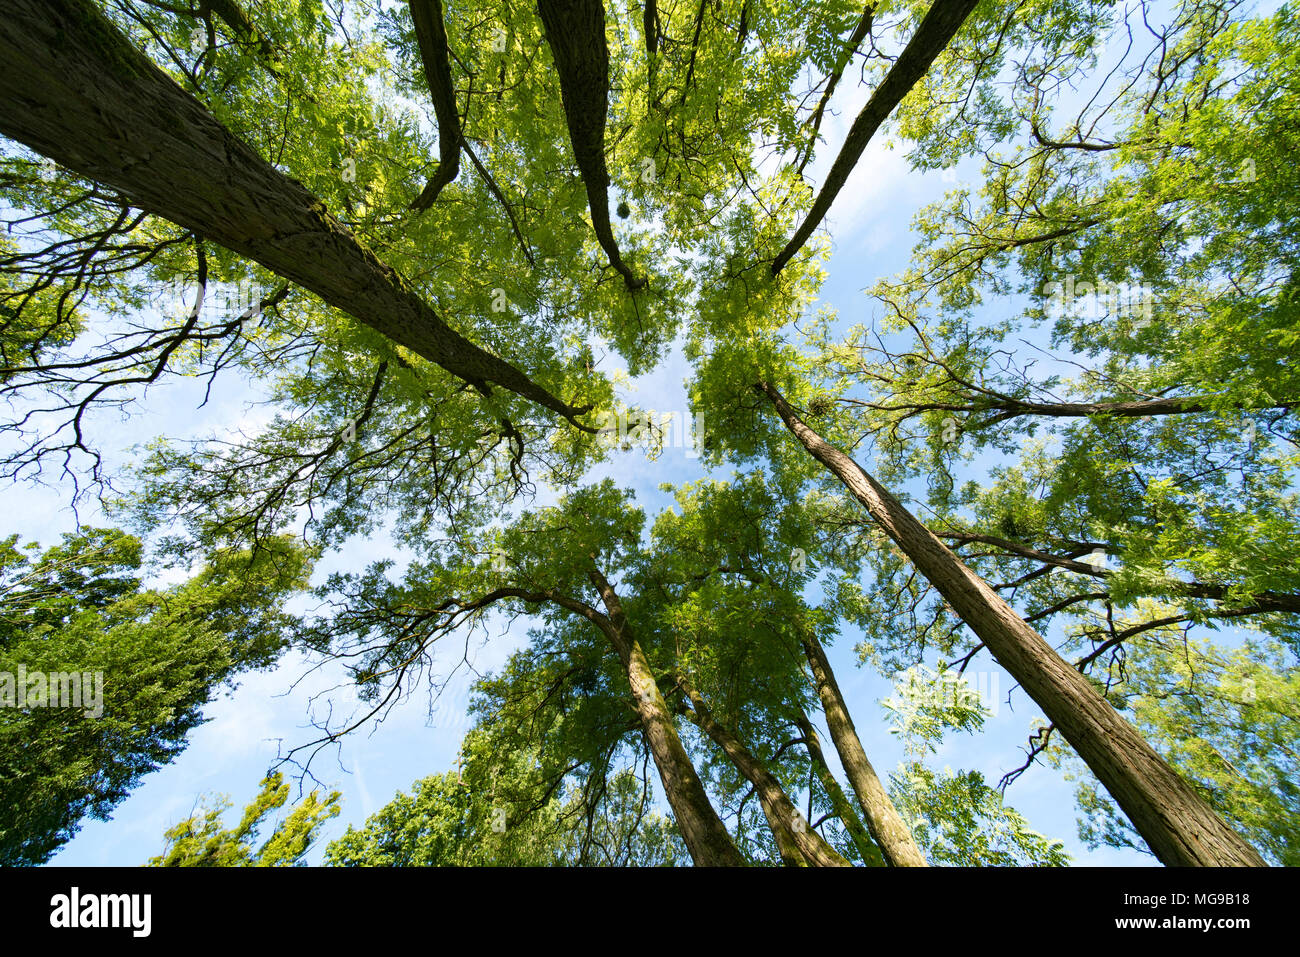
pixel 1177 824
pixel 857 831
pixel 575 32
pixel 431 37
pixel 936 29
pixel 794 836
pixel 887 827
pixel 705 835
pixel 73 88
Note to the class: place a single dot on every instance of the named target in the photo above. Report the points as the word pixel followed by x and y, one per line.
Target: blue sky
pixel 272 711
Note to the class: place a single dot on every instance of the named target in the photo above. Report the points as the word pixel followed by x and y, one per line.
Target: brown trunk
pixel 1177 824
pixel 575 32
pixel 238 21
pixel 431 35
pixel 858 832
pixel 891 833
pixel 798 842
pixel 650 31
pixel 705 835
pixel 75 89
pixel 938 27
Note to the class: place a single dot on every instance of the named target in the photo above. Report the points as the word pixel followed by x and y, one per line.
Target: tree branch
pixel 940 24
pixel 575 31
pixel 850 47
pixel 431 35
pixel 75 89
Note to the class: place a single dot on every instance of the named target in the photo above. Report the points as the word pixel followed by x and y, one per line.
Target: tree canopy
pixel 442 243
pixel 154 656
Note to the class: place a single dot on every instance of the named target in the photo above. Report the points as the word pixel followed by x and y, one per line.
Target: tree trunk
pixel 650 32
pixel 1177 824
pixel 705 835
pixel 431 36
pixel 794 836
pixel 891 833
pixel 75 89
pixel 936 30
pixel 575 32
pixel 858 832
pixel 238 21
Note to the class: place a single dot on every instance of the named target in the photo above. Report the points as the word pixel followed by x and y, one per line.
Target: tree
pixel 1171 816
pixel 201 842
pixel 1183 298
pixel 738 557
pixel 1169 813
pixel 1227 718
pixel 957 817
pixel 436 340
pixel 497 810
pixel 556 569
pixel 147 661
pixel 676 633
pixel 116 94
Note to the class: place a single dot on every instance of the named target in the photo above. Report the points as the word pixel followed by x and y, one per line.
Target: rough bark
pixel 431 35
pixel 799 845
pixel 650 28
pixel 887 827
pixel 857 831
pixel 705 835
pixel 575 32
pixel 650 31
pixel 233 15
pixel 1177 824
pixel 73 88
pixel 938 27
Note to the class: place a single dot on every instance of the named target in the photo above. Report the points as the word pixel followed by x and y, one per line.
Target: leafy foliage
pixel 200 840
pixel 1080 381
pixel 956 816
pixel 161 654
